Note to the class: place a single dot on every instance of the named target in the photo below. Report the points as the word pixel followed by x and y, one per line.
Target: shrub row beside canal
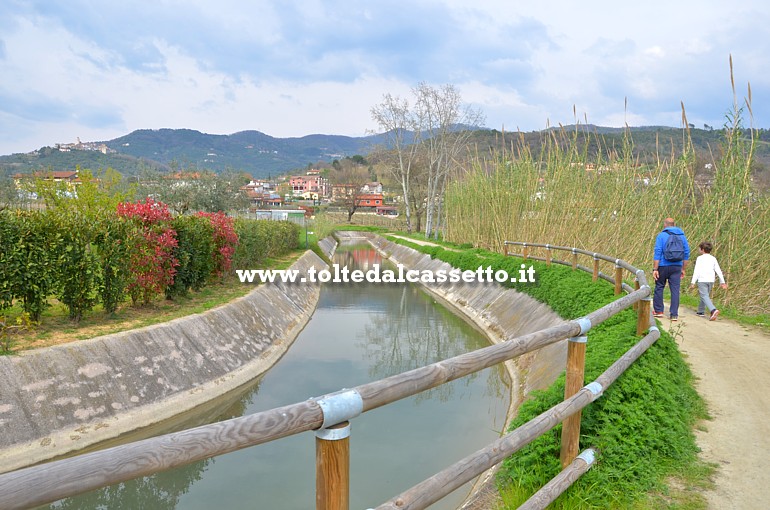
pixel 84 257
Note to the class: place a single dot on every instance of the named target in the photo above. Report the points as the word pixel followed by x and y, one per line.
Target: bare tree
pixel 349 176
pixel 401 128
pixel 446 127
pixel 433 133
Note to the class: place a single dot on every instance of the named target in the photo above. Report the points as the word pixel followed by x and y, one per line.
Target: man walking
pixel 670 261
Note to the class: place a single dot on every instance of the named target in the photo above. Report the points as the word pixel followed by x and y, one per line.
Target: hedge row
pixel 85 259
pixel 262 239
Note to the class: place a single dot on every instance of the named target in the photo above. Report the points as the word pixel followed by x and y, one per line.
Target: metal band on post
pixel 561 482
pixel 341 406
pixel 595 388
pixel 333 448
pixel 333 434
pixel 585 324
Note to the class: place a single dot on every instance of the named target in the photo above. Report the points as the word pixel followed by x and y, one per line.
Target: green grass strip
pixel 642 425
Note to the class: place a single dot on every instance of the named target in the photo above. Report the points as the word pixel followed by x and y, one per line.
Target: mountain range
pixel 252 152
pixel 264 156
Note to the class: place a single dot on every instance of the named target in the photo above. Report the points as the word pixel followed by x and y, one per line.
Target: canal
pixel 359 333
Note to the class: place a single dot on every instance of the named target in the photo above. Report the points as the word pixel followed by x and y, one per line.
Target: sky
pixel 97 70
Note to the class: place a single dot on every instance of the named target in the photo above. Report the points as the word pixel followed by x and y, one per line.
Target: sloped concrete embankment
pixel 64 398
pixel 328 245
pixel 503 314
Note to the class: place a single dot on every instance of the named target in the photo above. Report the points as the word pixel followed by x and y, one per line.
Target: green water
pixel 359 333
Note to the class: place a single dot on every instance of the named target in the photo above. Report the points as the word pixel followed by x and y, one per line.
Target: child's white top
pixel 706 266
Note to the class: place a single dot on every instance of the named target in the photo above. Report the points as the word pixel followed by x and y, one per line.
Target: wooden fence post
pixel 505 249
pixel 636 287
pixel 574 259
pixel 618 279
pixel 547 255
pixel 526 251
pixel 570 432
pixel 643 316
pixel 596 267
pixel 332 458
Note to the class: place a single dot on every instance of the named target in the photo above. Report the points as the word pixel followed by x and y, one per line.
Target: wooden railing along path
pixel 329 416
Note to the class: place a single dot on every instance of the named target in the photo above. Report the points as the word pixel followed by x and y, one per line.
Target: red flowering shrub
pixel 152 263
pixel 148 212
pixel 225 241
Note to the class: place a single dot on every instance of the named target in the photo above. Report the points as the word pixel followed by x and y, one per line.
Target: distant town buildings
pixel 262 194
pixel 84 146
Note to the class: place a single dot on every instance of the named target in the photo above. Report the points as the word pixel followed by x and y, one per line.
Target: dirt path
pixel 732 364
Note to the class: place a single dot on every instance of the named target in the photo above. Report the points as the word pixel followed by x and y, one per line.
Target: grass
pixel 56 328
pixel 643 424
pixel 687 297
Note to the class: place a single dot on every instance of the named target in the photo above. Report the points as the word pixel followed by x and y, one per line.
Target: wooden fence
pixel 329 416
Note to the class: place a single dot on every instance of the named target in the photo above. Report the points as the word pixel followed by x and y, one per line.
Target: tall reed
pixel 611 202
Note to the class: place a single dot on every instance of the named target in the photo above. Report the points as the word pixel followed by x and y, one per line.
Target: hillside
pixel 253 152
pixel 263 156
pixel 47 158
pixel 648 144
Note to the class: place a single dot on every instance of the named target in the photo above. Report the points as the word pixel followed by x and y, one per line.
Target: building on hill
pixel 70 178
pixel 316 183
pixel 369 200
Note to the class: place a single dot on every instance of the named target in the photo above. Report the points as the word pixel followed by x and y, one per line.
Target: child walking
pixel 706 266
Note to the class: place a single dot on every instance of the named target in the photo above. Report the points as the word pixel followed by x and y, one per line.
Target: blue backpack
pixel 673 251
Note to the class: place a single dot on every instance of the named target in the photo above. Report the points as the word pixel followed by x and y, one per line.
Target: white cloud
pixel 290 69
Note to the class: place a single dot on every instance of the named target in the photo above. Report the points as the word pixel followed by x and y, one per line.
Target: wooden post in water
pixel 618 280
pixel 332 460
pixel 596 268
pixel 570 432
pixel 643 316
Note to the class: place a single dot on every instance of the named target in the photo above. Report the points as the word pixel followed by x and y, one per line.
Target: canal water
pixel 359 333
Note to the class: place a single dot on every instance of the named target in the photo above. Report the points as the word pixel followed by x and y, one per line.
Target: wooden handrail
pixel 622 263
pixel 561 482
pixel 52 481
pixel 455 476
pixel 49 482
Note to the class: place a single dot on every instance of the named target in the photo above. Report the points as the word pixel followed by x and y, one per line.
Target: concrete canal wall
pixel 60 399
pixel 502 313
